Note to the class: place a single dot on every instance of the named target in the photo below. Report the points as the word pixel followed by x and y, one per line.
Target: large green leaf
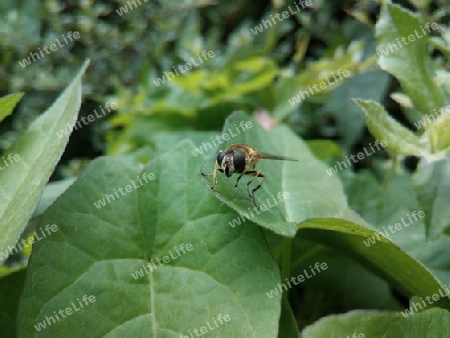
pixel 399 198
pixel 382 256
pixel 38 150
pixel 97 250
pixel 408 60
pixel 430 323
pixel 314 193
pixel 311 191
pixel 7 104
pixel 385 128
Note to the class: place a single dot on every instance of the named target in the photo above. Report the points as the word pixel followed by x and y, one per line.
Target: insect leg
pixel 244 172
pixel 214 174
pixel 255 174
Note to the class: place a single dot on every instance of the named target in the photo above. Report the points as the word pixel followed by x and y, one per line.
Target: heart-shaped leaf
pixel 158 256
pixel 292 192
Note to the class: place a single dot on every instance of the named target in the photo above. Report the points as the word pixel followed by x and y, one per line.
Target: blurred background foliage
pixel 249 72
pixel 254 73
pixel 290 55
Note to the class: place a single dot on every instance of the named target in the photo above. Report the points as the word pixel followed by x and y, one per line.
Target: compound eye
pixel 238 161
pixel 220 157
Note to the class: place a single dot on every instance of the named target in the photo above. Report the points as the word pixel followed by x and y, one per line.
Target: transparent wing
pixel 267 156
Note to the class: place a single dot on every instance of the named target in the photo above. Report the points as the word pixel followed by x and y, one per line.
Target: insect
pixel 241 159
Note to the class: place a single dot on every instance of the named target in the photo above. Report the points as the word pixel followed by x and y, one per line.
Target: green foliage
pixel 164 255
pixel 410 64
pixel 34 163
pixel 244 83
pixel 430 323
pixel 398 138
pixel 7 104
pixel 104 264
pixel 323 197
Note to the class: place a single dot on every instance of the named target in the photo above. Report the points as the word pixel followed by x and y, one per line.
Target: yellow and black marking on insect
pixel 241 159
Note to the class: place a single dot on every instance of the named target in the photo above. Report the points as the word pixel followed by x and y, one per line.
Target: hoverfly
pixel 241 159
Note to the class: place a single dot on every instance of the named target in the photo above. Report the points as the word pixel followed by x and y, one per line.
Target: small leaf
pixel 370 85
pixel 441 129
pixel 409 61
pixel 250 74
pixel 384 128
pixel 7 104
